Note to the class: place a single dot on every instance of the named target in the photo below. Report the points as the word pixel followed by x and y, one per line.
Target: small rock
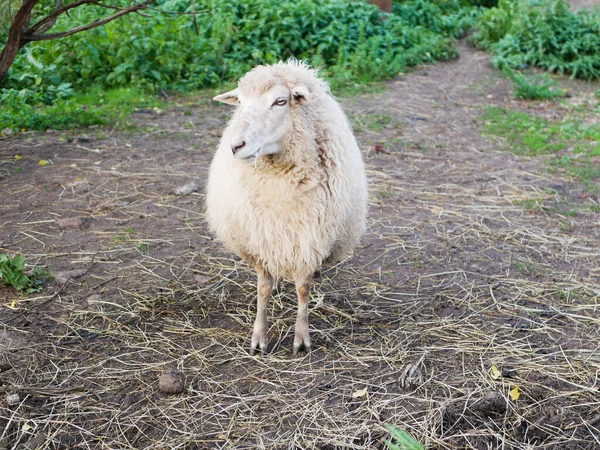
pixel 67 223
pixel 66 275
pixel 4 364
pixel 171 381
pixel 186 189
pixel 13 399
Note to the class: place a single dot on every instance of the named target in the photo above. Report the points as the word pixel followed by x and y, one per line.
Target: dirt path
pixel 455 276
pixel 584 3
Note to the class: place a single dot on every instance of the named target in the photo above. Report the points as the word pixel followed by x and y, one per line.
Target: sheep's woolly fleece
pixel 291 73
pixel 290 211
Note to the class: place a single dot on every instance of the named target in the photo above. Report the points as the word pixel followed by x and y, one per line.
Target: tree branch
pixel 28 36
pixel 57 12
pixel 51 23
pixel 13 41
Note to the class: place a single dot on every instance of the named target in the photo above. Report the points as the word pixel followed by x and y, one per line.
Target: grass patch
pixel 97 107
pixel 575 146
pixel 527 268
pixel 586 169
pixel 373 122
pixel 557 205
pixel 525 134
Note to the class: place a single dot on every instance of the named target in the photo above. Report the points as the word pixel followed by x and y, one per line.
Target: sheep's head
pixel 263 118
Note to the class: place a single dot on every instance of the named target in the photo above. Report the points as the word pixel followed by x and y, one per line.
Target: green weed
pixel 537 87
pixel 126 236
pixel 401 440
pixel 533 136
pixel 528 268
pixel 544 33
pixel 533 204
pixel 576 296
pixel 524 134
pixel 373 122
pixel 12 273
pixel 583 168
pixel 22 112
pixel 558 205
pixel 386 194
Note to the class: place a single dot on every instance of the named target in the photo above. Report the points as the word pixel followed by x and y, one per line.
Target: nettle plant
pixel 543 33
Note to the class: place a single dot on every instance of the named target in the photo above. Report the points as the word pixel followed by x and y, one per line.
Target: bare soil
pixel 464 318
pixel 584 3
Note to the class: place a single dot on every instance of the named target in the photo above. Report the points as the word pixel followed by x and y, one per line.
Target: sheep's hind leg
pixel 259 333
pixel 302 338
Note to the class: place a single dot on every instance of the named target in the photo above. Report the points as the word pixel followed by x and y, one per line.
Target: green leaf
pixel 401 440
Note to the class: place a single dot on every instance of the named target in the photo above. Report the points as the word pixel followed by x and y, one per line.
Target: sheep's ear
pixel 300 94
pixel 231 97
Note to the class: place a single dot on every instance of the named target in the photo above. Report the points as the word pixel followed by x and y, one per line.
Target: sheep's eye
pixel 280 102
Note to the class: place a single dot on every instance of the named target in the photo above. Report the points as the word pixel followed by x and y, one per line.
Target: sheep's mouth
pixel 252 156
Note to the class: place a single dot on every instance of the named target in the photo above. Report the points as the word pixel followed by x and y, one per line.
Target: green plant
pixel 484 3
pixel 574 145
pixel 12 273
pixel 373 122
pixel 48 84
pixel 526 268
pixel 524 134
pixel 166 52
pixel 537 87
pixel 401 440
pixel 544 33
pixel 449 18
pixel 21 111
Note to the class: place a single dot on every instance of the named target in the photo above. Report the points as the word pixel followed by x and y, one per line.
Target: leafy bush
pixel 544 33
pixel 494 24
pixel 164 51
pixel 537 87
pixel 22 111
pixel 448 18
pixel 484 3
pixel 353 41
pixel 19 112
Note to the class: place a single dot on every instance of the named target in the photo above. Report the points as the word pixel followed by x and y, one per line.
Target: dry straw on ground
pixel 455 276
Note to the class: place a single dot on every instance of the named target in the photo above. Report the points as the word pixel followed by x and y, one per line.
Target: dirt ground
pixel 464 318
pixel 584 3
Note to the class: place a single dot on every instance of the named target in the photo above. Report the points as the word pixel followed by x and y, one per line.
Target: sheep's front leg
pixel 302 338
pixel 259 333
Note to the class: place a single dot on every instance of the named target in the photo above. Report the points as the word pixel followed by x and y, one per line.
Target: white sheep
pixel 287 188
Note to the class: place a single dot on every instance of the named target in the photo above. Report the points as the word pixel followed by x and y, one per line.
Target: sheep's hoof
pixel 259 342
pixel 301 342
